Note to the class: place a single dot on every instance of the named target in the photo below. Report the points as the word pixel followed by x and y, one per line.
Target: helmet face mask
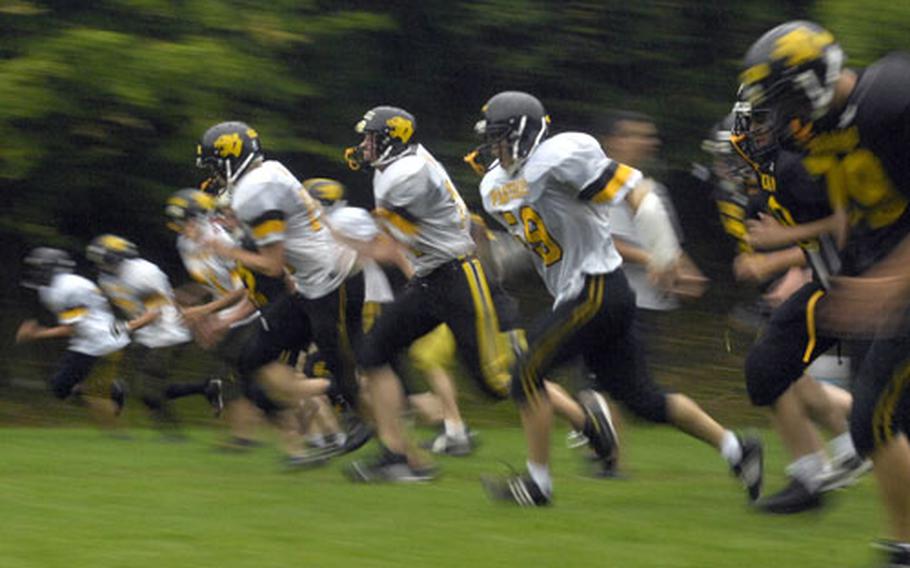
pixel 42 264
pixel 792 72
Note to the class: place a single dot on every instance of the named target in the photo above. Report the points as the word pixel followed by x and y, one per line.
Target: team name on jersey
pixel 505 193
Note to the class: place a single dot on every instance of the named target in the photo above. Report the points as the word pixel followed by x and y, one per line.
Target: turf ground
pixel 74 498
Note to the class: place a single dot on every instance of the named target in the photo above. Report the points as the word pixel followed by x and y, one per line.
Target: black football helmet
pixel 392 133
pixel 512 116
pixel 326 191
pixel 43 263
pixel 108 251
pixel 187 204
pixel 790 72
pixel 227 150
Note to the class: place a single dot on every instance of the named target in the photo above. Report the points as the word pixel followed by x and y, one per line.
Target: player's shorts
pixel 599 327
pixel 787 345
pixel 95 374
pixel 457 294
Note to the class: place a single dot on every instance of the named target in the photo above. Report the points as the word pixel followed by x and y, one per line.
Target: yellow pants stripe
pixel 883 416
pixel 493 350
pixel 545 348
pixel 810 324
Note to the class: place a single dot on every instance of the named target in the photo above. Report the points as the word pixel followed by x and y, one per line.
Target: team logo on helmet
pixel 229 145
pixel 400 128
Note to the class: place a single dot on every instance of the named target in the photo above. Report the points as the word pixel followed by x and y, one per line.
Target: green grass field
pixel 74 498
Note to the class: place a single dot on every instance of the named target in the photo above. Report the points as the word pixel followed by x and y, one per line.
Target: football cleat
pixel 213 393
pixel 898 553
pixel 844 473
pixel 598 428
pixel 576 439
pixel 750 469
pixel 388 467
pixel 794 498
pixel 518 489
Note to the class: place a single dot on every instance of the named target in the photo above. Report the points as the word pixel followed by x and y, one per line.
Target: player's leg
pixel 774 368
pixel 401 322
pixel 621 370
pixel 432 355
pixel 879 423
pixel 557 336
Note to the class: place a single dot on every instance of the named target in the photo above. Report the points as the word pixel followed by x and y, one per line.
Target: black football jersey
pixel 861 155
pixel 794 197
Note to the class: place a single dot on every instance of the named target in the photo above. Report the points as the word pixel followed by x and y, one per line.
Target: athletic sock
pixel 730 448
pixel 455 429
pixel 808 469
pixel 841 447
pixel 541 476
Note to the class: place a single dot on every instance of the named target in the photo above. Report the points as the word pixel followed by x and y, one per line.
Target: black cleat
pixel 518 489
pixel 388 467
pixel 357 432
pixel 118 395
pixel 750 469
pixel 844 473
pixel 598 427
pixel 214 395
pixel 315 457
pixel 898 553
pixel 794 498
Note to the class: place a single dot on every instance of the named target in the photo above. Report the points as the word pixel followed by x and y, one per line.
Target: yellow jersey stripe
pixel 615 183
pixel 396 220
pixel 72 313
pixel 269 227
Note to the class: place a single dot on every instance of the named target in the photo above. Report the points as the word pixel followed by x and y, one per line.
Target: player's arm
pixel 758 266
pixel 31 330
pixel 225 301
pixel 631 253
pixel 268 232
pixel 765 232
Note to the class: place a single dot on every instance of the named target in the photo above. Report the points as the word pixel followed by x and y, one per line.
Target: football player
pixel 553 194
pixel 852 128
pixel 95 337
pixel 288 230
pixel 429 354
pixel 139 288
pixel 418 204
pixel 780 365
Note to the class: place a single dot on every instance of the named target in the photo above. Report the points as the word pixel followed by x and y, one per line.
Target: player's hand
pixel 27 331
pixel 765 232
pixel 681 278
pixel 786 285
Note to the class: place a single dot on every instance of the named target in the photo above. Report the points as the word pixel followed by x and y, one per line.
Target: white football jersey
pixel 139 286
pixel 556 204
pixel 268 200
pixel 418 203
pixel 218 274
pixel 78 302
pixel 357 224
